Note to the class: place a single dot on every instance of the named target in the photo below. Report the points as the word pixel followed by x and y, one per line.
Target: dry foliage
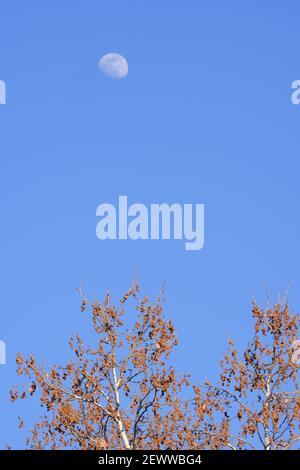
pixel 256 403
pixel 124 394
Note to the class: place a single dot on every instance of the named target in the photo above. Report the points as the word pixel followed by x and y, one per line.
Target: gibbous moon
pixel 114 65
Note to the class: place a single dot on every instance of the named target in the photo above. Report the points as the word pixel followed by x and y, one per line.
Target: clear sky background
pixel 204 116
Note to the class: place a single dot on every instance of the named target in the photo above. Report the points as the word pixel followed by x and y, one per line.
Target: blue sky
pixel 204 116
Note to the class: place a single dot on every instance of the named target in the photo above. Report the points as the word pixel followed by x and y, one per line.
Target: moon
pixel 114 65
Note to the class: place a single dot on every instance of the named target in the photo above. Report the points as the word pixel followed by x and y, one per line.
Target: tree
pixel 119 394
pixel 124 394
pixel 256 404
